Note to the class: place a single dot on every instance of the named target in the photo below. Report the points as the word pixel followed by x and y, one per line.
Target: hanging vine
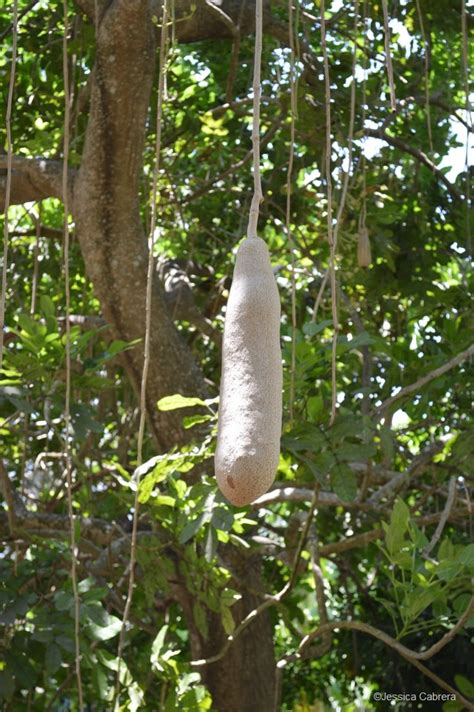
pixel 469 126
pixel 146 351
pixel 388 56
pixel 257 93
pixel 67 403
pixel 427 74
pixel 293 111
pixel 350 135
pixel 331 237
pixel 8 125
pixel 363 240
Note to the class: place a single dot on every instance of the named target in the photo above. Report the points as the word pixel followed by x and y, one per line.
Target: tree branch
pixel 417 466
pixel 444 517
pixel 33 179
pixel 411 655
pixel 436 373
pixel 387 639
pixel 416 153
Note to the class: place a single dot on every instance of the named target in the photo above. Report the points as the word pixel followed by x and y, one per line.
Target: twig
pixel 416 153
pixel 427 378
pixel 67 404
pixel 319 296
pixel 146 356
pixel 417 466
pixel 387 639
pixel 257 90
pixel 320 594
pixel 444 517
pixel 8 125
pixel 224 17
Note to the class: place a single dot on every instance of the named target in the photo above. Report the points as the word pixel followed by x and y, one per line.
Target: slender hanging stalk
pixel 67 405
pixel 146 355
pixel 8 124
pixel 363 211
pixel 34 281
pixel 331 241
pixel 465 65
pixel 350 136
pixel 257 91
pixel 294 108
pixel 388 56
pixel 427 75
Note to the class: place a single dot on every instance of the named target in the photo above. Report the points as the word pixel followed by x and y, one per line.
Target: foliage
pixel 405 316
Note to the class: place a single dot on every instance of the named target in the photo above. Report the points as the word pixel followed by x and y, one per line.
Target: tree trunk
pixel 106 211
pixel 244 679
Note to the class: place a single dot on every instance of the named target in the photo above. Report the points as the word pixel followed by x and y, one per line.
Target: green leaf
pixel 466 556
pixel 355 452
pixel 99 680
pixel 448 570
pixel 311 329
pixel 395 531
pixel 400 516
pixel 53 658
pixel 47 306
pixel 158 643
pixel 98 632
pixel 178 401
pixel 193 527
pixel 465 686
pixel 222 519
pixel 63 601
pixel 159 473
pixel 227 620
pixel 191 420
pixel 387 442
pixel 7 685
pixel 418 600
pixel 200 620
pixel 211 544
pixel 164 500
pixel 453 706
pixel 344 483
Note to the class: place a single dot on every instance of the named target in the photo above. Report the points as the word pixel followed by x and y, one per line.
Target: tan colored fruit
pixel 364 253
pixel 250 408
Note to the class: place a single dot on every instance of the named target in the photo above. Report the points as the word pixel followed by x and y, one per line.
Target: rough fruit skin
pixel 250 408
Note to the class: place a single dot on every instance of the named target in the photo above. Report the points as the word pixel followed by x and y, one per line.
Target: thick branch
pixel 32 179
pixel 198 20
pixel 302 494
